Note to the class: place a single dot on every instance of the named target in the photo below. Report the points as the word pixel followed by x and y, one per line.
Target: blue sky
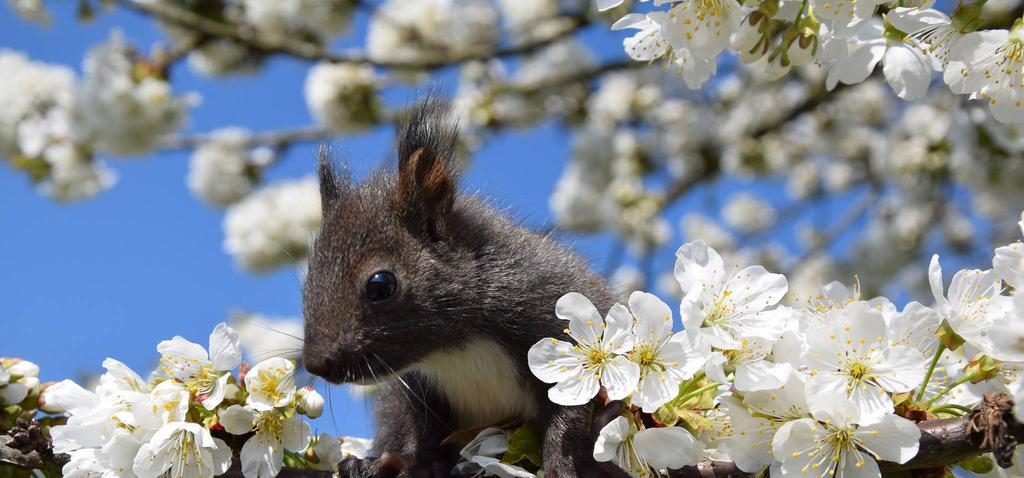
pixel 142 262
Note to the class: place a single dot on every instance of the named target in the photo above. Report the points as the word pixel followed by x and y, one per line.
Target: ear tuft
pixel 425 191
pixel 332 184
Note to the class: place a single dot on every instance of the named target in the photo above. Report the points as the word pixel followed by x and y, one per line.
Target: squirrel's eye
pixel 381 286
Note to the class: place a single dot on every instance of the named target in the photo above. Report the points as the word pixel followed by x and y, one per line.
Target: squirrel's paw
pixel 388 466
pixel 383 467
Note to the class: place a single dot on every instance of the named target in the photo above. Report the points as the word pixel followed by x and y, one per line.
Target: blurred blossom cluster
pixel 274 225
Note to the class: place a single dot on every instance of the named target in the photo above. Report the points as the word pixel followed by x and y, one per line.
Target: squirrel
pixel 437 296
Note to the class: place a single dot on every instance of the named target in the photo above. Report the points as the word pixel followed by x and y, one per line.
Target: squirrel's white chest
pixel 481 382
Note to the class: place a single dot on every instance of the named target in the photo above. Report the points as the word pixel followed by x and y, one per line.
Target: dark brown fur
pixel 465 272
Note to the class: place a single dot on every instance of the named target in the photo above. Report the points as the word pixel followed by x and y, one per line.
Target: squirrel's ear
pixel 332 185
pixel 425 190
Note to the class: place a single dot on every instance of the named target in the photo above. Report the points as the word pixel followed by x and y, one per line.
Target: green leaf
pixel 978 464
pixel 524 444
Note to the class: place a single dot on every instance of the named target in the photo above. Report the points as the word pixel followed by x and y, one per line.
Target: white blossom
pixel 419 31
pixel 906 67
pixel 638 452
pixel 342 95
pixel 182 449
pixel 697 227
pixel 748 213
pixel 851 357
pixel 701 27
pixel 1008 264
pixel 647 44
pixel 206 374
pixel 665 359
pixel 271 384
pixel 989 65
pixel 310 402
pixel 580 370
pixel 223 170
pixel 758 416
pixel 725 305
pixel 274 225
pixel 833 445
pixel 262 454
pixel 120 111
pixel 321 18
pixel 972 305
pixel 36 124
pixel 33 10
pixel 356 447
pixel 750 364
pixel 928 29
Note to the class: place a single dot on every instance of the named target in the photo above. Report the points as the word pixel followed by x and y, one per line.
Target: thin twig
pixel 314 133
pixel 272 139
pixel 311 51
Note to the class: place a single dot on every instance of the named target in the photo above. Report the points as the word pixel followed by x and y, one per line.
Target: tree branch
pixel 310 51
pixel 272 139
pixel 313 133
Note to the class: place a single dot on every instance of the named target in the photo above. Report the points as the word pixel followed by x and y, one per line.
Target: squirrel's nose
pixel 319 364
pixel 333 365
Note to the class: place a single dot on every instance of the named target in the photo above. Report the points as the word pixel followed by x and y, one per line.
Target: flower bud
pixel 752 39
pixel 31 382
pixel 311 403
pixel 750 31
pixel 23 368
pixel 982 368
pixel 231 392
pixel 775 67
pixel 242 370
pixel 802 47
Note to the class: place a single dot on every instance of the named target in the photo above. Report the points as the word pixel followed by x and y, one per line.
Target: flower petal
pixel 295 434
pixel 901 369
pixel 575 390
pixel 553 361
pixel 221 456
pixel 754 289
pixel 907 70
pixel 585 322
pixel 620 377
pixel 893 438
pixel 653 317
pixel 618 333
pixel 761 375
pixel 215 395
pixel 225 353
pixel 603 5
pixel 792 441
pixel 697 266
pixel 67 396
pixel 611 436
pixel 237 420
pixel 668 447
pixel 261 459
